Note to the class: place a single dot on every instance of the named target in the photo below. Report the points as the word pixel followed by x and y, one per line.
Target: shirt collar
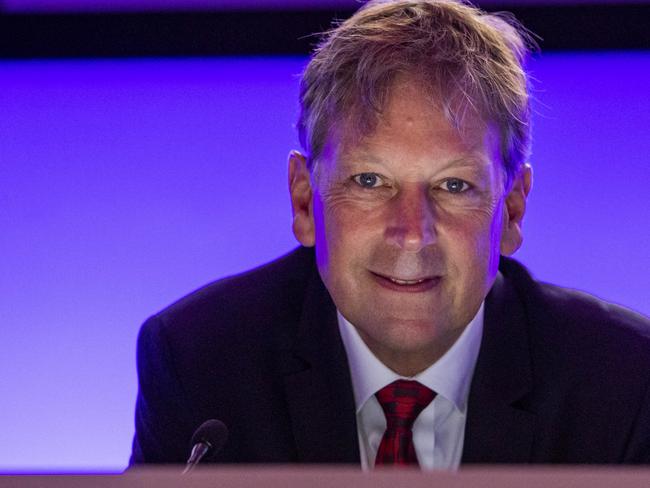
pixel 449 377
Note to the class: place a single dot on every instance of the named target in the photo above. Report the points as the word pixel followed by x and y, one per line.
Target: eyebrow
pixel 346 160
pixel 468 162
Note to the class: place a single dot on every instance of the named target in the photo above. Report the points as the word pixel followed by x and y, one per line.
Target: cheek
pixel 339 228
pixel 347 220
pixel 497 232
pixel 321 245
pixel 472 239
pixel 347 234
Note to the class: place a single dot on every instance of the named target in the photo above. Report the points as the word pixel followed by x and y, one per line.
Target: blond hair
pixel 467 60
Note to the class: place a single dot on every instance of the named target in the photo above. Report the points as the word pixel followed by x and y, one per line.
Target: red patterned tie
pixel 402 401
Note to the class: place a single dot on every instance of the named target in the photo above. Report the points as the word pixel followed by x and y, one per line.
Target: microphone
pixel 209 437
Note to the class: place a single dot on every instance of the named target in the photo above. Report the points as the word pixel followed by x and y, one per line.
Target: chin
pixel 409 335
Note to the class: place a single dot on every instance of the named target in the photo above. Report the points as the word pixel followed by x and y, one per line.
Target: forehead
pixel 414 121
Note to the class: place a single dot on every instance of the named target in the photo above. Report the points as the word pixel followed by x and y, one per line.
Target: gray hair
pixel 466 59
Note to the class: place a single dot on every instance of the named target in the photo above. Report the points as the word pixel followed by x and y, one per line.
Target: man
pixel 400 332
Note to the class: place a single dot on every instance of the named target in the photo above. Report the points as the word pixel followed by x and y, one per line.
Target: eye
pixel 455 185
pixel 367 180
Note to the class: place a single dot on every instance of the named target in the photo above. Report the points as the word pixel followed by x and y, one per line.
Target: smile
pixel 406 282
pixel 410 286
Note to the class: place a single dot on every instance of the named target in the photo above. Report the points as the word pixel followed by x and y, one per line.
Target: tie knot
pixel 402 401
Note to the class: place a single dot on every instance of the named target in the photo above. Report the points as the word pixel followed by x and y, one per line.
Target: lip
pixel 406 286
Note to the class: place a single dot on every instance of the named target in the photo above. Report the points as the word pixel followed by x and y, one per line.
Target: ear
pixel 515 208
pixel 301 199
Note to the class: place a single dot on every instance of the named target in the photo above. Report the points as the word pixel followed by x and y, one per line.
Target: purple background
pixel 126 184
pixel 126 5
pixel 130 5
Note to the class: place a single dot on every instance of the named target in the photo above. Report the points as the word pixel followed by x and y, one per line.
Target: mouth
pixel 416 285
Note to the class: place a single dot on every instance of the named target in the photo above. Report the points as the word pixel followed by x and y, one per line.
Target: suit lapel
pixel 499 429
pixel 318 385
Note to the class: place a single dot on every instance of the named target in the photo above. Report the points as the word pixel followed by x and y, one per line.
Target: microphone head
pixel 212 432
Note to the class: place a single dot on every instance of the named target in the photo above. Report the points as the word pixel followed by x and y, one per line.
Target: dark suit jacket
pixel 561 377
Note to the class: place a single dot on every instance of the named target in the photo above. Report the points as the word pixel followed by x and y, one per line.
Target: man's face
pixel 408 225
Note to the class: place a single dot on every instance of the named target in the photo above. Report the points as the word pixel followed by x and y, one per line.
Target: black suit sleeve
pixel 638 451
pixel 161 423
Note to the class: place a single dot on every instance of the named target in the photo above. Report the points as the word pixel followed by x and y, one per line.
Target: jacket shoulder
pixel 264 295
pixel 579 366
pixel 573 309
pixel 580 341
pixel 205 354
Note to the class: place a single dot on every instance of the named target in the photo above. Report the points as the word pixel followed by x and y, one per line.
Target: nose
pixel 411 224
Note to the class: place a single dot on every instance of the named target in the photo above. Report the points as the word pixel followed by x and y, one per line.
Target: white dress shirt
pixel 439 430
